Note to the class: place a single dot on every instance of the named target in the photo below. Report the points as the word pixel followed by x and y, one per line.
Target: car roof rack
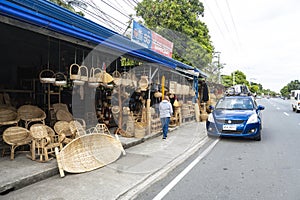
pixel 238 90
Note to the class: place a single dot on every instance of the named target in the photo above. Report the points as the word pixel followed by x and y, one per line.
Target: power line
pixel 234 26
pixel 219 28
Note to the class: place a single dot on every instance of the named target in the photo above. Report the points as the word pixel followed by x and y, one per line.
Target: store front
pixel 110 80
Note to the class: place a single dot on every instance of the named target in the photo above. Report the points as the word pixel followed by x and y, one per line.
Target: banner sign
pixel 151 40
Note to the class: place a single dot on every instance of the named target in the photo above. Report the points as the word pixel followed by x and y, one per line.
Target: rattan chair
pixel 44 142
pixel 63 128
pixel 30 113
pixel 8 116
pixel 15 137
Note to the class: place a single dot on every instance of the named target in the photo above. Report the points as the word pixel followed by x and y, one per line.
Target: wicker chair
pixel 44 142
pixel 29 114
pixel 8 116
pixel 63 128
pixel 15 137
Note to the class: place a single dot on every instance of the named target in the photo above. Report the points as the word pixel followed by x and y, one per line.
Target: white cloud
pixel 266 44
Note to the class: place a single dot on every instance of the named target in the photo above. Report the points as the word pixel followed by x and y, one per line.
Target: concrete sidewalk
pixel 142 165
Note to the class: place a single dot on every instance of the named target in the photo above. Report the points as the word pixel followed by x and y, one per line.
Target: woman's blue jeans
pixel 165 125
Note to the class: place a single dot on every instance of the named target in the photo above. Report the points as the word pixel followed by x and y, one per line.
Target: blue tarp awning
pixel 47 15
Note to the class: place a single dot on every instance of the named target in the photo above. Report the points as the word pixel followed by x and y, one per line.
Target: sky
pixel 257 37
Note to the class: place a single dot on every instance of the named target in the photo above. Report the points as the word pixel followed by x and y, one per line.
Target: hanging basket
pixel 47 76
pixel 84 73
pixel 157 94
pixel 172 87
pixel 98 75
pixel 107 78
pixel 60 79
pixel 125 79
pixel 93 82
pixel 117 77
pixel 92 78
pixel 143 83
pixel 178 89
pixel 74 72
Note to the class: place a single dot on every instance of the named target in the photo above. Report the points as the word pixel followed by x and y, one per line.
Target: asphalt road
pixel 242 168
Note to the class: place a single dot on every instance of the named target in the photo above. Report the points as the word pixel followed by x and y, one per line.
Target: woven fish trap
pixel 88 152
pixel 47 76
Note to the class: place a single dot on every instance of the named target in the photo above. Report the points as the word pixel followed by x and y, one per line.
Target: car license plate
pixel 229 127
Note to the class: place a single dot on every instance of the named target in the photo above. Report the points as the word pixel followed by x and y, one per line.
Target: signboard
pixel 151 40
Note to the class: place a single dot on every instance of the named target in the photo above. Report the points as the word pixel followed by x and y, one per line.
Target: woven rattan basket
pixel 47 76
pixel 60 79
pixel 84 73
pixel 117 77
pixel 88 152
pixel 74 72
pixel 143 83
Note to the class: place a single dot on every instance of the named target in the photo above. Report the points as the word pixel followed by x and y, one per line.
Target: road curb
pixel 162 172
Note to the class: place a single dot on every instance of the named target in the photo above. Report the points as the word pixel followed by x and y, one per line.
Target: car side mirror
pixel 211 107
pixel 259 107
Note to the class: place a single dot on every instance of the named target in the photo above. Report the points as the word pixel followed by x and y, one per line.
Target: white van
pixel 295 99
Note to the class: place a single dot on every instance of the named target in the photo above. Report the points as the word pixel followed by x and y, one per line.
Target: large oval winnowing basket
pixel 88 152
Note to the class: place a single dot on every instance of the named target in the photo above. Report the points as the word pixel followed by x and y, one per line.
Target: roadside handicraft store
pixel 60 84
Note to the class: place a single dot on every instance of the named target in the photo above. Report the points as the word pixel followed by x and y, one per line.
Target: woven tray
pixel 87 153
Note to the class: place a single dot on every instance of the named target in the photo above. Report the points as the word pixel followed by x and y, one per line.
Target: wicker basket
pixel 47 76
pixel 84 73
pixel 117 77
pixel 125 79
pixel 106 77
pixel 172 87
pixel 88 152
pixel 74 72
pixel 93 80
pixel 143 83
pixel 60 79
pixel 178 89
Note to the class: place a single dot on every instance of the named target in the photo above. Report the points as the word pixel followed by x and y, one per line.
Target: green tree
pixel 293 85
pixel 68 6
pixel 285 91
pixel 178 21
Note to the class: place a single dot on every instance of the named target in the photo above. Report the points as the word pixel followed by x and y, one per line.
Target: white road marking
pixel 167 189
pixel 286 114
